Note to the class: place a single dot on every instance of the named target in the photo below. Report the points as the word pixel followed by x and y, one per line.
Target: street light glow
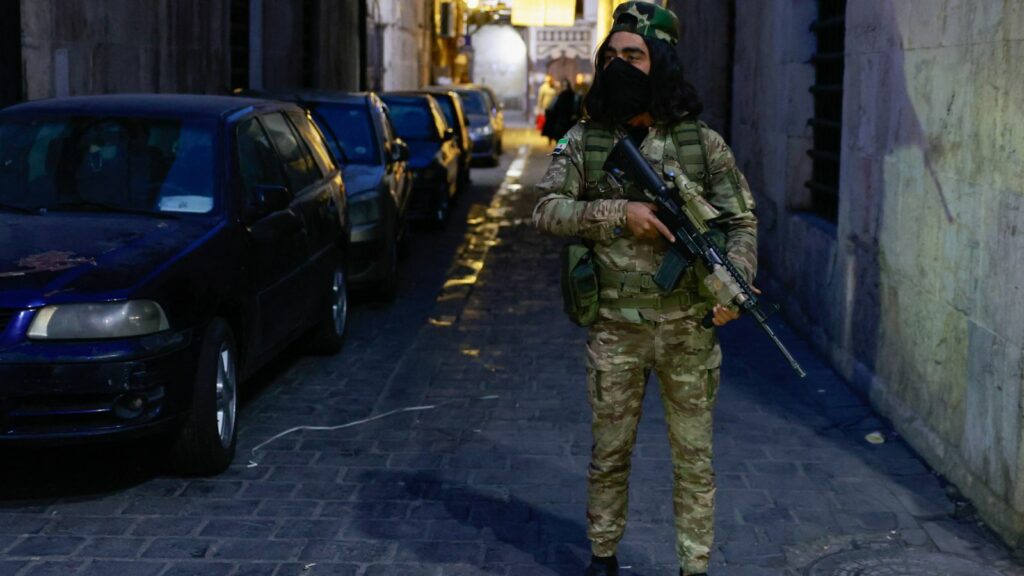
pixel 544 13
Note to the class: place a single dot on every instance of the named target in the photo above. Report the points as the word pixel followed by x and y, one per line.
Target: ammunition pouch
pixel 580 289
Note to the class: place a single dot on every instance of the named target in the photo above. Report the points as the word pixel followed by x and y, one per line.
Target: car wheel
pixel 205 444
pixel 329 334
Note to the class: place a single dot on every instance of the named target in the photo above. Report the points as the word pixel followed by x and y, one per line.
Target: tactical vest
pixel 691 155
pixel 686 137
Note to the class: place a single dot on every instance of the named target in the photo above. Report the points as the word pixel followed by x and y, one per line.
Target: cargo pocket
pixel 612 364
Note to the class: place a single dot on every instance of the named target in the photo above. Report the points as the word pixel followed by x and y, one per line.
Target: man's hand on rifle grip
pixel 644 224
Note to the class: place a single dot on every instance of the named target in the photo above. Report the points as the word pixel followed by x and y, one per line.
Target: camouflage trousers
pixel 685 358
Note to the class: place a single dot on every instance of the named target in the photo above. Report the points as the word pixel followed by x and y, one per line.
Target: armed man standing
pixel 635 327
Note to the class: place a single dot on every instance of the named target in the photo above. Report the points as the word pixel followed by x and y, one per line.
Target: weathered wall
pixel 178 46
pixel 124 45
pixel 917 292
pixel 341 27
pixel 282 44
pixel 705 48
pixel 334 62
pixel 407 42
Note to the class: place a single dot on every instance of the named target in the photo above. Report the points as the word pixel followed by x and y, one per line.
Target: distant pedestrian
pixel 562 113
pixel 545 98
pixel 639 92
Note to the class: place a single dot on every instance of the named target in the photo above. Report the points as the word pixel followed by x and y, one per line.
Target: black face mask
pixel 627 87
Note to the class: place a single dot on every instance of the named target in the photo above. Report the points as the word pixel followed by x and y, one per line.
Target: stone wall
pixel 74 47
pixel 916 293
pixel 704 46
pixel 334 62
pixel 407 49
pixel 98 46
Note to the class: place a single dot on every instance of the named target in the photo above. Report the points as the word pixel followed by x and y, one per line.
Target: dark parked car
pixel 454 113
pixel 486 122
pixel 377 181
pixel 156 251
pixel 433 153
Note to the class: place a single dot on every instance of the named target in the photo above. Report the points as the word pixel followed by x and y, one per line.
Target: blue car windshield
pixel 83 162
pixel 473 102
pixel 348 130
pixel 413 121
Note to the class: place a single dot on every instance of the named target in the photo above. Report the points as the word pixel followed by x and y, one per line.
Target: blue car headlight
pixel 99 320
pixel 364 210
pixel 480 131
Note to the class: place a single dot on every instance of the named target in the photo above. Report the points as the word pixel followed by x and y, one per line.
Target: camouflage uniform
pixel 636 332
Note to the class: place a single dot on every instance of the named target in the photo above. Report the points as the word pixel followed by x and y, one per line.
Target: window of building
pixel 830 30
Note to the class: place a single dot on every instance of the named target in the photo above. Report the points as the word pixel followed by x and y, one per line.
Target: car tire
pixel 328 335
pixel 205 444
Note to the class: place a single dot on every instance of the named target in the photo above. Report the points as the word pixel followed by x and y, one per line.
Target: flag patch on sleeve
pixel 560 147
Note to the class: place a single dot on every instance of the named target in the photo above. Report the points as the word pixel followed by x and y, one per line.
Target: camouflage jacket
pixel 566 208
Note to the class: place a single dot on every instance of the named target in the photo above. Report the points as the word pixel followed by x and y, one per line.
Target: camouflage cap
pixel 646 19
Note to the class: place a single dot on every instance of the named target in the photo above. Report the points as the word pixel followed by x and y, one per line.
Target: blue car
pixel 155 251
pixel 486 122
pixel 377 181
pixel 433 154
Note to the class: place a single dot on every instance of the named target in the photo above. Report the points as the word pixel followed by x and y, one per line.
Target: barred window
pixel 830 30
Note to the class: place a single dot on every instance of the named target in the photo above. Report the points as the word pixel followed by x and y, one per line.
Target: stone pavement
pixel 477 462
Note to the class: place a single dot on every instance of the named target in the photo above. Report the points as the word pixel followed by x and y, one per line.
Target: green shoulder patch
pixel 560 147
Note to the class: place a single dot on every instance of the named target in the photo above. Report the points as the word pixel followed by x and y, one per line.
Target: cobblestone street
pixel 454 439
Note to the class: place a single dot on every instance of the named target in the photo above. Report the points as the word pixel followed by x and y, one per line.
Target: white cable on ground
pixel 254 463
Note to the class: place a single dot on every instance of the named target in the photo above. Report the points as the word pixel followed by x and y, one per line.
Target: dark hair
pixel 672 96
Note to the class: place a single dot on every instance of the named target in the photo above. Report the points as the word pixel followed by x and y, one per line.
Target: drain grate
pixel 896 563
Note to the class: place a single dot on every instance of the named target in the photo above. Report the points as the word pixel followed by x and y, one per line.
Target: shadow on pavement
pixel 515 533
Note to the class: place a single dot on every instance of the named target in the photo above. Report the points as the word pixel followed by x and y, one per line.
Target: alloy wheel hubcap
pixel 339 301
pixel 227 395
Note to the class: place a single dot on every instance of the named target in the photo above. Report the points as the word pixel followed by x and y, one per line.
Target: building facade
pixel 70 47
pixel 399 43
pixel 883 141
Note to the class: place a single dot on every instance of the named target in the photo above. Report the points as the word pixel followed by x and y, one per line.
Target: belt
pixel 681 300
pixel 626 281
pixel 642 282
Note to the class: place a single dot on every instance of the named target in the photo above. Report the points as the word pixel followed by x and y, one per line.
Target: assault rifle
pixel 686 216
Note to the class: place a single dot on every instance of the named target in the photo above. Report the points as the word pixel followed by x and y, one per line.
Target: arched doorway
pixel 563 68
pixel 499 61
